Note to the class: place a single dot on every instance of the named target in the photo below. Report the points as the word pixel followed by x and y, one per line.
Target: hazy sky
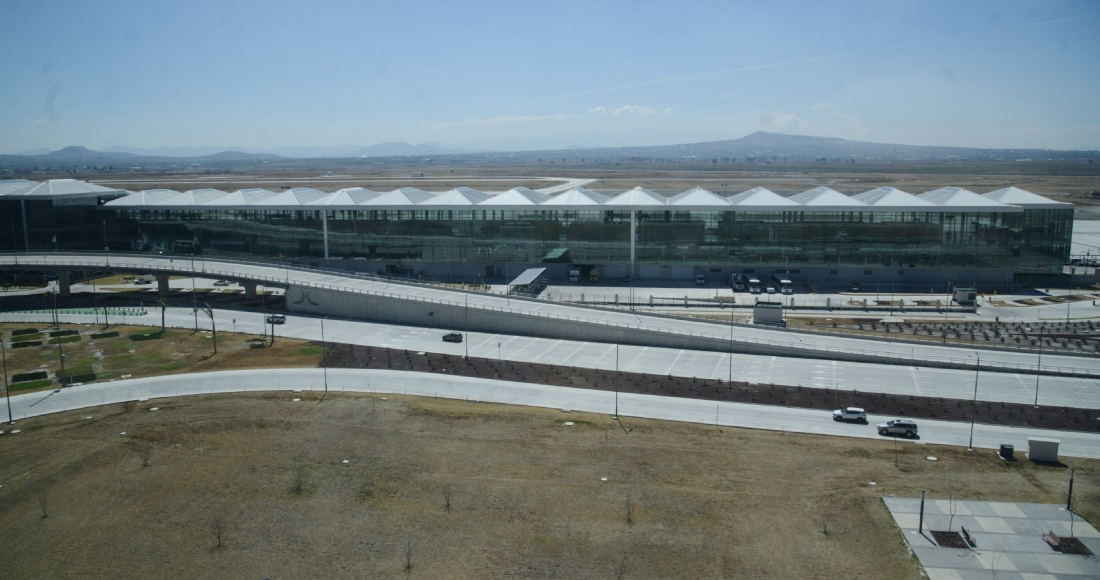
pixel 514 74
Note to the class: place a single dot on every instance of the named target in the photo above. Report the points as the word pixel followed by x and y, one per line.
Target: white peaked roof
pixel 347 198
pixel 143 198
pixel 299 196
pixel 697 196
pixel 577 196
pixel 638 196
pixel 13 185
pixel 760 197
pixel 824 196
pixel 193 197
pixel 1017 196
pixel 406 196
pixel 241 198
pixel 958 197
pixel 458 196
pixel 61 189
pixel 517 197
pixel 892 197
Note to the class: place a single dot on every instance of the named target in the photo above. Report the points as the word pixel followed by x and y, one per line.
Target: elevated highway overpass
pixel 365 297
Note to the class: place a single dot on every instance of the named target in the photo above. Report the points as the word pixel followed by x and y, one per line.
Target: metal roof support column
pixel 324 229
pixel 26 236
pixel 633 225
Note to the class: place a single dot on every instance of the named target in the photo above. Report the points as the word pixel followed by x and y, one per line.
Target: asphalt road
pixel 811 344
pixel 484 390
pixel 867 377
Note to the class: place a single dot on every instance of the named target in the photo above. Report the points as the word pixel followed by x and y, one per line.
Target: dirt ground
pixel 526 498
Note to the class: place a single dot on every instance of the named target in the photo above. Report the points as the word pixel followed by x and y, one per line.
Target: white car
pixel 850 414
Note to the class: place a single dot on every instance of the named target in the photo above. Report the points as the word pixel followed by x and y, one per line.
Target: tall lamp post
pixel 324 354
pixel 466 340
pixel 616 415
pixel 974 403
pixel 194 299
pixel 106 250
pixel 731 348
pixel 7 390
pixel 1039 365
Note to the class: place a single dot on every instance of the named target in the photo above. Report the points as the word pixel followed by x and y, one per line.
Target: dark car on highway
pixel 276 319
pixel 452 337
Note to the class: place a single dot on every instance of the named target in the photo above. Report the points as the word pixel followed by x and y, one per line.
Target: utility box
pixel 965 296
pixel 770 313
pixel 1042 449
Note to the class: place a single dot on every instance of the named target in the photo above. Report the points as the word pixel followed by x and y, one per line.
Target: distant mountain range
pixel 759 146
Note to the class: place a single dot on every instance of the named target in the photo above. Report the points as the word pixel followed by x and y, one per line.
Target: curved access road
pixel 147 390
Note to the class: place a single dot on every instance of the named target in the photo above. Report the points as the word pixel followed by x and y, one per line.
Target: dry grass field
pixel 525 493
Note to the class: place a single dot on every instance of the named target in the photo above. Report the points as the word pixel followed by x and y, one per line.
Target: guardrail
pixel 796 345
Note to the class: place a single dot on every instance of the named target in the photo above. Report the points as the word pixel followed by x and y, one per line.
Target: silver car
pixel 850 414
pixel 905 427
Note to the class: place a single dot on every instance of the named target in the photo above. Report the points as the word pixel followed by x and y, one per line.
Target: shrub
pixel 64 339
pixel 26 344
pixel 99 335
pixel 31 376
pixel 56 333
pixel 31 385
pixel 24 331
pixel 145 336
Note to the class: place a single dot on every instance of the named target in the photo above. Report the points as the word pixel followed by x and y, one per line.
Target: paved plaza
pixel 1008 539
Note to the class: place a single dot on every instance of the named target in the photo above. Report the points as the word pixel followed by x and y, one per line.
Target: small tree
pixel 145 453
pixel 163 303
pixel 217 528
pixel 629 512
pixel 408 558
pixel 42 504
pixel 209 310
pixel 447 497
pixel 298 479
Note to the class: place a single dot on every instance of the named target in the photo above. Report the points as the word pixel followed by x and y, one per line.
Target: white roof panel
pixel 143 198
pixel 457 197
pixel 697 196
pixel 13 185
pixel 761 197
pixel 959 197
pixel 519 196
pixel 404 197
pixel 62 189
pixel 892 197
pixel 638 197
pixel 578 196
pixel 1022 197
pixel 824 196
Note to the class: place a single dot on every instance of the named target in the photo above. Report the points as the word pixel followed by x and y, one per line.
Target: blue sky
pixel 548 74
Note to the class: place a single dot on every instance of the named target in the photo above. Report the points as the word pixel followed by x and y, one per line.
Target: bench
pixel 1051 538
pixel 966 536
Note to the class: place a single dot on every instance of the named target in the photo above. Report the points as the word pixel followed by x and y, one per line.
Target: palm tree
pixel 163 303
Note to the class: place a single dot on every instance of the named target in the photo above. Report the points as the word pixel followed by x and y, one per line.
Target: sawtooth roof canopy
pixel 757 199
pixel 56 189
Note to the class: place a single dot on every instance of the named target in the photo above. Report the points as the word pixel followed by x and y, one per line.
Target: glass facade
pixel 1029 241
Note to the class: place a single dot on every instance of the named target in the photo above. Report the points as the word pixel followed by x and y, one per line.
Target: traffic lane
pixel 889 379
pixel 626 405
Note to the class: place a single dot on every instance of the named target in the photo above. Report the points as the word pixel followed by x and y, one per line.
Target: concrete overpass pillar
pixel 63 283
pixel 162 285
pixel 249 289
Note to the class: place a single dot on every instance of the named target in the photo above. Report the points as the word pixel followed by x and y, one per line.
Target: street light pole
pixel 974 404
pixel 616 415
pixel 7 388
pixel 731 347
pixel 324 354
pixel 194 299
pixel 1039 365
pixel 466 340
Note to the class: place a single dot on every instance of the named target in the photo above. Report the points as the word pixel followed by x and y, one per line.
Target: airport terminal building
pixel 818 238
